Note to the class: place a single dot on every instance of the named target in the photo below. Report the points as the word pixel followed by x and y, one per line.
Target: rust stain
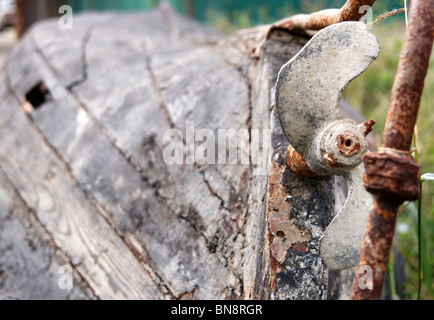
pixel 392 177
pixel 283 234
pixel 367 126
pixel 300 247
pixel 349 144
pixel 297 163
pixel 274 202
pixel 329 160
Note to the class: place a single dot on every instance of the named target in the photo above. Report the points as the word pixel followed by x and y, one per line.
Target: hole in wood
pixel 38 95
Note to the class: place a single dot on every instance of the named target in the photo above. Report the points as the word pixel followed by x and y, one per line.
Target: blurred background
pixel 226 15
pixel 369 94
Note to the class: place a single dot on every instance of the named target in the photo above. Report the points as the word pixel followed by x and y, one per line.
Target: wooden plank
pixel 185 203
pixel 8 114
pixel 133 82
pixel 58 44
pixel 302 215
pixel 272 56
pixel 204 70
pixel 23 76
pixel 117 83
pixel 168 30
pixel 29 265
pixel 132 203
pixel 74 223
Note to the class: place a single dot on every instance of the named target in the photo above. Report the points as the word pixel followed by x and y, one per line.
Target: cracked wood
pixel 88 163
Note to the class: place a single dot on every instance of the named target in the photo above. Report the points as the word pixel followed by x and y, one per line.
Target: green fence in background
pixel 120 5
pixel 257 11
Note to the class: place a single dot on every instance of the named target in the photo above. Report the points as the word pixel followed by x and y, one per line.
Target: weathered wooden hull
pixel 83 182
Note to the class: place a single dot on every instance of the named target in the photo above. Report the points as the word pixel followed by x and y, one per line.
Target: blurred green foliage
pixel 255 11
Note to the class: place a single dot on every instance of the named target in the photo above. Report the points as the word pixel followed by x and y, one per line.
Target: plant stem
pixel 405 255
pixel 416 145
pixel 391 273
pixel 420 239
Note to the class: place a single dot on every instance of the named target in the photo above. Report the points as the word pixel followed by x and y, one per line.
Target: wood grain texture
pixel 88 164
pixel 110 268
pixel 29 265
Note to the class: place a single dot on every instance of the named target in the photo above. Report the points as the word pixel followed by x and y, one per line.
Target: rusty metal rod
pixel 351 11
pixel 409 82
pixel 392 176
